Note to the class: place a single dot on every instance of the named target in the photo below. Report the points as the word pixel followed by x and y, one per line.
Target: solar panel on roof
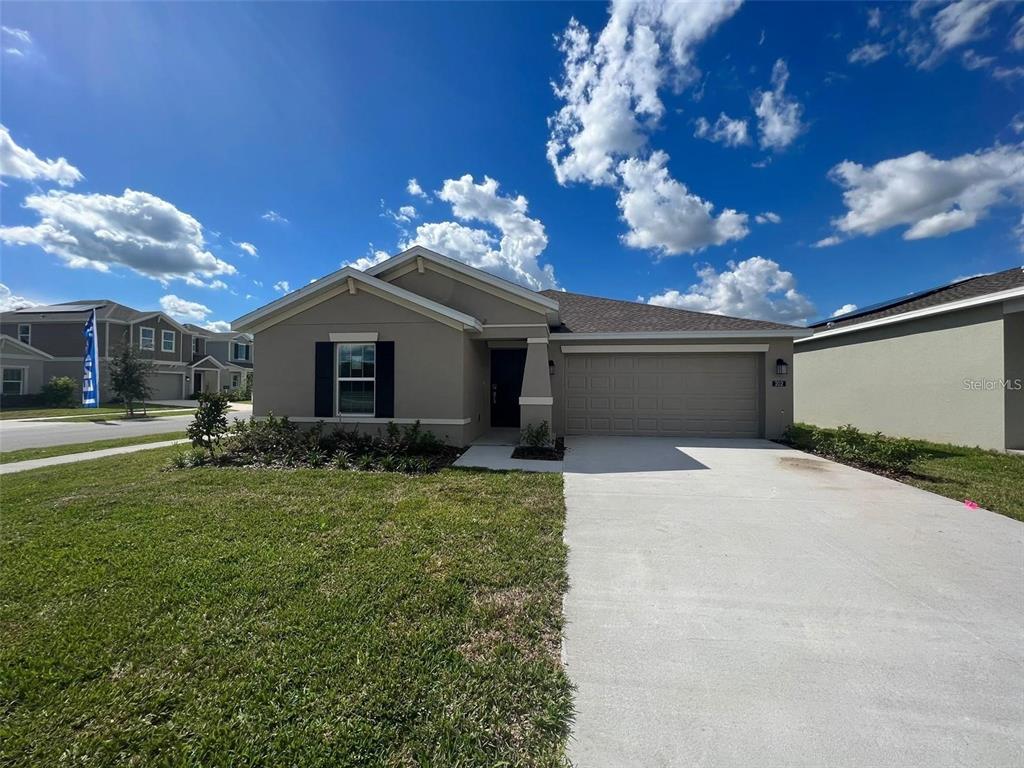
pixel 58 308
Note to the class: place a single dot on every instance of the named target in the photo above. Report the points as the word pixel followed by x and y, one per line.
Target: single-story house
pixel 946 364
pixel 421 337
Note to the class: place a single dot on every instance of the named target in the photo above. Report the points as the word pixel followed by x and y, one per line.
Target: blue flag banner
pixel 91 366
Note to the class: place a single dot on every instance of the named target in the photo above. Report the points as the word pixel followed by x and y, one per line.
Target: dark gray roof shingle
pixel 964 289
pixel 592 314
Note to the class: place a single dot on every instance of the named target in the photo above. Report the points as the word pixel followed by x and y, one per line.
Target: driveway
pixel 736 603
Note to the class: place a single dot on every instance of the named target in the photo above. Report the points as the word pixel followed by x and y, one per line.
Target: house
pixel 220 360
pixel 38 343
pixel 946 364
pixel 424 337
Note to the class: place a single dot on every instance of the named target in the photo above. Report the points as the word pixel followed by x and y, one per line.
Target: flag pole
pixel 90 365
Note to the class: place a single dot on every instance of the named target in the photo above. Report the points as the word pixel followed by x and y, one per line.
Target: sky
pixel 770 160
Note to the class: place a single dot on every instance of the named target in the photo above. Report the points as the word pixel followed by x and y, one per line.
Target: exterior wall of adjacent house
pixel 476 302
pixel 430 373
pixel 1013 349
pixel 912 379
pixel 776 401
pixel 33 367
pixel 476 387
pixel 159 325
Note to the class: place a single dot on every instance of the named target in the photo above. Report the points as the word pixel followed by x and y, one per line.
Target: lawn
pixel 24 454
pixel 280 617
pixel 104 410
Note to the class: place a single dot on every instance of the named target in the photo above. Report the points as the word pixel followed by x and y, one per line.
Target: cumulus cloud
pixel 828 242
pixel 868 53
pixel 16 42
pixel 218 326
pixel 931 197
pixel 22 163
pixel 404 215
pixel 953 25
pixel 768 217
pixel 1017 35
pixel 874 18
pixel 9 301
pixel 373 258
pixel 663 215
pixel 413 188
pixel 725 130
pixel 757 288
pixel 247 247
pixel 184 310
pixel 844 310
pixel 779 115
pixel 274 217
pixel 972 60
pixel 135 230
pixel 281 286
pixel 511 248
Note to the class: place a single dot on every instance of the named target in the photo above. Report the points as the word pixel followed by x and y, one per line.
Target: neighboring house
pixel 945 364
pixel 220 360
pixel 423 337
pixel 38 343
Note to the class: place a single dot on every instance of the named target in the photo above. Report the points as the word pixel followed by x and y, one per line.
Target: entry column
pixel 535 401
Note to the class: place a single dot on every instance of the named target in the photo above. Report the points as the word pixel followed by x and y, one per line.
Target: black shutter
pixel 385 380
pixel 324 377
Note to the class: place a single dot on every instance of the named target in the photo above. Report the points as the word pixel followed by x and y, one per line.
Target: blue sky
pixel 627 154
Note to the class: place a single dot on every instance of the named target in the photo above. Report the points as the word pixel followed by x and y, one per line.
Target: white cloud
pixel 768 217
pixel 1017 123
pixel 1007 73
pixel 972 60
pixel 934 197
pixel 726 130
pixel 274 217
pixel 404 215
pixel 779 115
pixel 511 249
pixel 218 326
pixel 413 188
pixel 844 309
pixel 1017 35
pixel 874 18
pixel 17 42
pixel 954 24
pixel 756 288
pixel 137 230
pixel 9 301
pixel 868 53
pixel 22 163
pixel 664 215
pixel 363 263
pixel 247 247
pixel 184 310
pixel 828 242
pixel 281 286
pixel 609 86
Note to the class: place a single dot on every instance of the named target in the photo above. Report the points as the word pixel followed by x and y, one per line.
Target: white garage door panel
pixel 692 395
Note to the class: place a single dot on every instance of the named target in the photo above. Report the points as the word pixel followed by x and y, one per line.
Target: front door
pixel 507 366
pixel 197 383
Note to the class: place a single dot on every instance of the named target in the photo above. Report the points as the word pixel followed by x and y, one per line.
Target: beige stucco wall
pixel 476 387
pixel 34 368
pixel 1013 351
pixel 484 306
pixel 909 379
pixel 777 404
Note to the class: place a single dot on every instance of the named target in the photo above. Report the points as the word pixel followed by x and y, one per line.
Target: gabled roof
pixel 591 314
pixel 337 282
pixel 21 346
pixel 217 363
pixel 995 285
pixel 106 309
pixel 206 333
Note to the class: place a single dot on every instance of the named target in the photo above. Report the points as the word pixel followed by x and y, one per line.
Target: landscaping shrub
pixel 210 423
pixel 851 446
pixel 194 457
pixel 536 436
pixel 59 392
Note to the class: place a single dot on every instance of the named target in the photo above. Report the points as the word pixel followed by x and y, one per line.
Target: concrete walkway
pixel 499 457
pixel 737 603
pixel 71 458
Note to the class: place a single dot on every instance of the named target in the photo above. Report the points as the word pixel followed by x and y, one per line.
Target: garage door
pixel 165 386
pixel 689 395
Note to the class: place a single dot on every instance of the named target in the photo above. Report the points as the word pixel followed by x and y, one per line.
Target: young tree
pixel 129 377
pixel 210 422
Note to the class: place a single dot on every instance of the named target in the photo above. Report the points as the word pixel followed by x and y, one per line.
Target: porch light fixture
pixel 551 367
pixel 781 367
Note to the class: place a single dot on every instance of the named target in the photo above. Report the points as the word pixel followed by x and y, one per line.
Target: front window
pixel 25 333
pixel 356 368
pixel 146 338
pixel 14 381
pixel 239 351
pixel 195 345
pixel 236 380
pixel 166 341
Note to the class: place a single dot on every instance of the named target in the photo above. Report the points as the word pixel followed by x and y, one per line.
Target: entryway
pixel 507 366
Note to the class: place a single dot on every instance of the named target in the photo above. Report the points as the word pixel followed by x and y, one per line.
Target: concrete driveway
pixel 736 603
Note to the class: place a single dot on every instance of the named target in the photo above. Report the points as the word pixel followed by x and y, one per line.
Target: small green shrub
pixel 851 446
pixel 210 423
pixel 194 457
pixel 59 392
pixel 536 436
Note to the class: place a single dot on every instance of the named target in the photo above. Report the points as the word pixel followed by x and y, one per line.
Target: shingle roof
pixel 971 288
pixel 592 314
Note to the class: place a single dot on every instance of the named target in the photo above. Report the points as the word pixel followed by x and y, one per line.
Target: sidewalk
pixel 71 458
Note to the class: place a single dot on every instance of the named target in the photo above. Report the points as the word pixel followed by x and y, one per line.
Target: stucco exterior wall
pixel 476 387
pixel 910 379
pixel 484 306
pixel 1013 351
pixel 777 402
pixel 159 325
pixel 34 370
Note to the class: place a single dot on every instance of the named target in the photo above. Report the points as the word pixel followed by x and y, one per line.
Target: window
pixel 14 381
pixel 356 369
pixel 239 351
pixel 166 341
pixel 236 380
pixel 25 333
pixel 147 338
pixel 195 345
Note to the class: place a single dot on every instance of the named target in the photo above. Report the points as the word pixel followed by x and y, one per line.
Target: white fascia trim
pixel 428 255
pixel 354 337
pixel 373 420
pixel 536 401
pixel 537 341
pixel 515 325
pixel 217 363
pixel 780 333
pixel 940 309
pixel 660 348
pixel 25 347
pixel 163 316
pixel 314 293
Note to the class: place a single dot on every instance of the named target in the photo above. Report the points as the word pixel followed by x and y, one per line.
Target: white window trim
pixel 235 358
pixel 339 379
pixel 142 342
pixel 163 338
pixel 24 377
pixel 25 325
pixel 236 375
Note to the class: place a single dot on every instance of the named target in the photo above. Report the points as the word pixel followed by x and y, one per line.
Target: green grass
pixel 280 617
pixel 24 454
pixel 36 412
pixel 153 415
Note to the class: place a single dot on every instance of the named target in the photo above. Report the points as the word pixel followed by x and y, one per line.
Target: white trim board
pixel 34 351
pixel 781 333
pixel 373 420
pixel 598 349
pixel 354 338
pixel 536 401
pixel 916 314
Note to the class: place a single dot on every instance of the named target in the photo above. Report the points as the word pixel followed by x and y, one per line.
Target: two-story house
pixel 220 361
